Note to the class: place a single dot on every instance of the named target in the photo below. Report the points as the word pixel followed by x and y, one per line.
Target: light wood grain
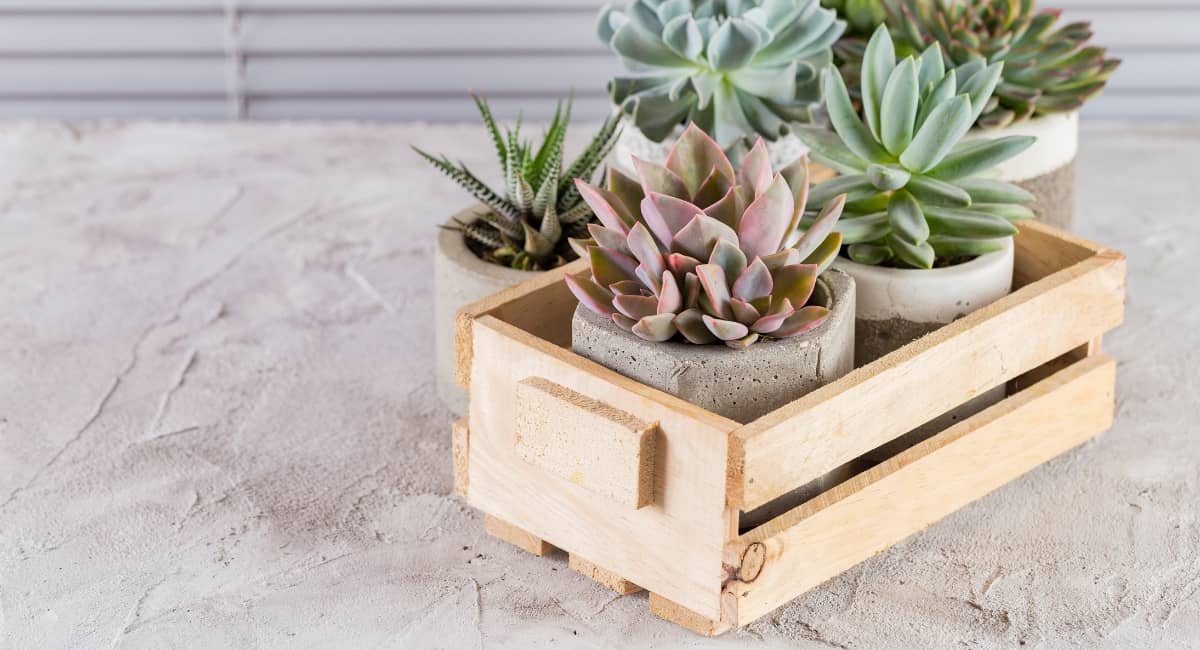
pixel 602 576
pixel 669 610
pixel 882 506
pixel 876 403
pixel 672 547
pixel 585 441
pixel 516 536
pixel 541 306
pixel 1042 250
pixel 460 446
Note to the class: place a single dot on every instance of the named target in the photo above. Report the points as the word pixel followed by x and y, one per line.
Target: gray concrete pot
pixel 459 279
pixel 897 306
pixel 632 143
pixel 1047 169
pixel 738 384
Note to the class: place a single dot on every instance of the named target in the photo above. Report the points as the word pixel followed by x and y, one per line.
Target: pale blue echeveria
pixel 733 67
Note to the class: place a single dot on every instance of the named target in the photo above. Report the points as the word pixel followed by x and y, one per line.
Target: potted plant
pixel 509 234
pixel 738 70
pixel 695 259
pixel 1049 73
pixel 928 238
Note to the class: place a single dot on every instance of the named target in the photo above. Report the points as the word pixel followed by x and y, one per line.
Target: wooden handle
pixel 587 442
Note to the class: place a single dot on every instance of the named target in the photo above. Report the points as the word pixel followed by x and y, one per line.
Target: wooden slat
pixel 460 447
pixel 875 510
pixel 112 76
pixel 516 536
pixel 541 306
pixel 673 547
pixel 586 442
pixel 505 73
pixel 841 421
pixel 602 576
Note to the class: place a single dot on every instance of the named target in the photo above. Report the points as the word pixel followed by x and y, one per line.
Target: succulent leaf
pixel 733 68
pixel 709 260
pixel 530 226
pixel 923 185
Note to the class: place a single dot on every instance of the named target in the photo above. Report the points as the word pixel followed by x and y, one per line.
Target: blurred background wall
pixel 414 59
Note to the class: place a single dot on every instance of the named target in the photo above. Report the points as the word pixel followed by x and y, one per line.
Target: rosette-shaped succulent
pixel 1047 68
pixel 527 225
pixel 699 250
pixel 733 67
pixel 911 190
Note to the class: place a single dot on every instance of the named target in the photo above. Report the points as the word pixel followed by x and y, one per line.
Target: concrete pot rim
pixel 453 246
pixel 832 301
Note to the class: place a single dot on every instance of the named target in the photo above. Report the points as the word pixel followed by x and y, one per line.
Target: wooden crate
pixel 644 490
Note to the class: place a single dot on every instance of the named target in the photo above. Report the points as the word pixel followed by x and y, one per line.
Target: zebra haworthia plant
pixel 697 249
pixel 733 67
pixel 527 225
pixel 912 191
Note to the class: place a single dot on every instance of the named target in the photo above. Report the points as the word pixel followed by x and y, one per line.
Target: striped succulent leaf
pixel 527 226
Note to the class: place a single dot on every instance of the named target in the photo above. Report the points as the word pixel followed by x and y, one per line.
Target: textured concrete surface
pixel 742 386
pixel 1055 192
pixel 219 428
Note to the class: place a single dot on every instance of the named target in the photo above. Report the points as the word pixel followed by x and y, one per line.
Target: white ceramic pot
pixel 632 143
pixel 898 306
pixel 459 279
pixel 1047 168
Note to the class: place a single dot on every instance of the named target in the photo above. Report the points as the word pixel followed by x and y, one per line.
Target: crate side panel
pixel 1042 250
pixel 878 402
pixel 673 546
pixel 542 306
pixel 860 518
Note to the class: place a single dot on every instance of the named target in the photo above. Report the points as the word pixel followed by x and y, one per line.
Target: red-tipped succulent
pixel 702 251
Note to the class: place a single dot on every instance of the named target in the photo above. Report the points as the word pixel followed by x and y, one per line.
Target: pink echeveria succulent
pixel 703 251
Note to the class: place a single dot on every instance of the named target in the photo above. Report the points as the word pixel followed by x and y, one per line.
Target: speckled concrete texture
pixel 741 385
pixel 1055 196
pixel 219 426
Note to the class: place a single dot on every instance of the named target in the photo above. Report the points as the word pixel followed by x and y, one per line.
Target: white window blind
pixel 415 59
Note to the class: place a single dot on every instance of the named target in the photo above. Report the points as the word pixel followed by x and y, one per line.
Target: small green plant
pixel 700 250
pixel 1047 69
pixel 733 67
pixel 912 190
pixel 527 226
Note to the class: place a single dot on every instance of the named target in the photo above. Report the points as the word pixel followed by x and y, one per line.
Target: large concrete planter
pixel 738 384
pixel 460 278
pixel 1047 168
pixel 632 143
pixel 899 306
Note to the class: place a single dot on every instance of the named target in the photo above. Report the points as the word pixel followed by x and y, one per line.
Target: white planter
pixel 632 143
pixel 1047 169
pixel 898 306
pixel 459 279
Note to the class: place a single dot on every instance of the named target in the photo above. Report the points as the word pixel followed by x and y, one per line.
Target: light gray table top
pixel 218 426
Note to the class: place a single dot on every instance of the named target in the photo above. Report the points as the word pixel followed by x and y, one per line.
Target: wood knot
pixel 753 559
